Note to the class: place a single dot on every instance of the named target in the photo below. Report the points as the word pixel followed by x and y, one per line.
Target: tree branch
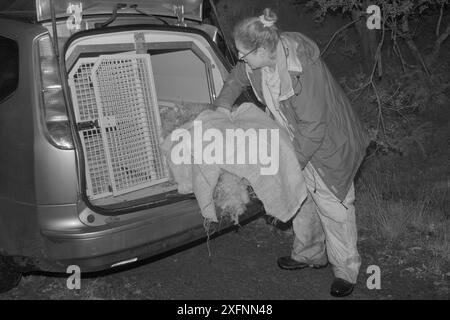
pixel 337 32
pixel 412 45
pixel 437 45
pixel 438 26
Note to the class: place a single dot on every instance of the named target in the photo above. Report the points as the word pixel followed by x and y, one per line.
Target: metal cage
pixel 118 119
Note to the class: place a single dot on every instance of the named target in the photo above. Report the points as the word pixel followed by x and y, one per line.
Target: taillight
pixel 54 112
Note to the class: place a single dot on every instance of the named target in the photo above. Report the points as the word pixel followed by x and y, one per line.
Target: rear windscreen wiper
pixel 134 6
pixel 113 17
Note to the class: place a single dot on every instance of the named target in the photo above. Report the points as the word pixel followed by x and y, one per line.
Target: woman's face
pixel 255 57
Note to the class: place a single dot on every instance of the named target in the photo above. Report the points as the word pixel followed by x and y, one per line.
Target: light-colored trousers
pixel 326 228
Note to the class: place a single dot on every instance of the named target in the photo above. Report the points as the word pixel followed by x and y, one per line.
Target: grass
pixel 413 214
pixel 390 216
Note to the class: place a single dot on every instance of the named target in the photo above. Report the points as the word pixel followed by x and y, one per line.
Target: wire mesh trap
pixel 117 114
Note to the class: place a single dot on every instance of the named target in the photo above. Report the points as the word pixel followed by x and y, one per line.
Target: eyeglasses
pixel 251 51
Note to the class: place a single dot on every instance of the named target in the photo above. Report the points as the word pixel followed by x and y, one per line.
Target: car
pixel 82 88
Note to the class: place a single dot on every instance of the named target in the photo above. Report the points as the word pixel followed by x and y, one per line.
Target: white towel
pixel 281 193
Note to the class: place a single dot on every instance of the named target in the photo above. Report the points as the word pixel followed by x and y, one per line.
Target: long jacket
pixel 327 132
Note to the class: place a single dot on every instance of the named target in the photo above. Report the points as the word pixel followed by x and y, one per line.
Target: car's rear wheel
pixel 9 276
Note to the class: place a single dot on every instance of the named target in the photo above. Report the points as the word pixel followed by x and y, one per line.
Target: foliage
pixel 403 201
pixel 397 17
pixel 391 104
pixel 392 10
pixel 393 112
pixel 348 47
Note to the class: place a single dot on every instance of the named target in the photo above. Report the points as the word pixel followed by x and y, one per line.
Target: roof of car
pixel 19 9
pixel 17 5
pixel 26 9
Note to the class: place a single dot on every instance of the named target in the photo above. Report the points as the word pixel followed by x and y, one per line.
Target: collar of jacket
pixel 306 53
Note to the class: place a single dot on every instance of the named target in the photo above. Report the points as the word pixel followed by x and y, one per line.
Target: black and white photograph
pixel 229 156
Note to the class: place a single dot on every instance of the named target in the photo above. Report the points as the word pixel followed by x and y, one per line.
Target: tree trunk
pixel 368 39
pixel 412 45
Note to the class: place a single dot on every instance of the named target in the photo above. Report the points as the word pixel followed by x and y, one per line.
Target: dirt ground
pixel 240 264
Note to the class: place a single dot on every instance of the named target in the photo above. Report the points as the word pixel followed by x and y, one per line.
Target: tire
pixel 9 276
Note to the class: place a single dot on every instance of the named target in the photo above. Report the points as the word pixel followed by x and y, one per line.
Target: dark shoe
pixel 287 263
pixel 341 288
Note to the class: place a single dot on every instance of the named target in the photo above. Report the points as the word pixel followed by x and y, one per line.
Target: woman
pixel 287 74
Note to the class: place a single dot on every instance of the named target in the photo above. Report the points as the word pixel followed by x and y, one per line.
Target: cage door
pixel 126 154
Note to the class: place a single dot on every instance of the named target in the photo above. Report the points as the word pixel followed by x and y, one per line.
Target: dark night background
pixel 402 188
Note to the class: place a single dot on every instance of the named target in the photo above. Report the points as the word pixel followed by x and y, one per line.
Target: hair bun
pixel 269 15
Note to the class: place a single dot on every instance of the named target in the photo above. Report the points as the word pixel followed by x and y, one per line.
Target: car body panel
pixel 17 120
pixel 142 242
pixel 41 8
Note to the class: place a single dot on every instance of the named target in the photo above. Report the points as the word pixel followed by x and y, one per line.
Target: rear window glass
pixel 9 67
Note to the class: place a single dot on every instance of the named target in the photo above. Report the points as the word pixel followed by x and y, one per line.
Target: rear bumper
pixel 98 248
